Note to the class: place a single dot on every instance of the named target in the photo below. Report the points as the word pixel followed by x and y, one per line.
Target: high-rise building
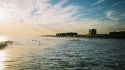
pixel 92 32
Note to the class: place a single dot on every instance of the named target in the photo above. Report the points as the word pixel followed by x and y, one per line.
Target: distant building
pixel 69 34
pixel 92 32
pixel 120 34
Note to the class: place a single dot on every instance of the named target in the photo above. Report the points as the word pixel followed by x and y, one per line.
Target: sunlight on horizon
pixel 3 38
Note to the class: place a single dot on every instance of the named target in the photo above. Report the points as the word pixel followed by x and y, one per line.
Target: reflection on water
pixel 41 53
pixel 2 59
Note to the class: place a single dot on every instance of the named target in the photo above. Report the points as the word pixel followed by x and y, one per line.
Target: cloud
pixel 117 4
pixel 41 17
pixel 115 16
pixel 98 2
pixel 109 14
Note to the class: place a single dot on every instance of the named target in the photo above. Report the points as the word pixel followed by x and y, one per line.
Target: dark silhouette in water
pixel 3 44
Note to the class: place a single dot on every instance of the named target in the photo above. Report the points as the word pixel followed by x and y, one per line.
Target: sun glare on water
pixel 2 59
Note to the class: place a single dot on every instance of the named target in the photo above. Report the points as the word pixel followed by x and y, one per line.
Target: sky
pixel 46 17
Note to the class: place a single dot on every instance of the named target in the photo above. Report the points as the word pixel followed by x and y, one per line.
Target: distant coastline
pixel 92 34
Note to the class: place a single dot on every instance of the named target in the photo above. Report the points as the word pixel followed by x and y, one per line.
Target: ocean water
pixel 53 53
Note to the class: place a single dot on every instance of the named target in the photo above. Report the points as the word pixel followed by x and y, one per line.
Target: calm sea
pixel 51 53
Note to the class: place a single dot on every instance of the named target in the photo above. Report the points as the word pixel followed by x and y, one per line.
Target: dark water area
pixel 51 53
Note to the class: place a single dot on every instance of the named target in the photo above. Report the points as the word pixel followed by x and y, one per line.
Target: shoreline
pixel 81 37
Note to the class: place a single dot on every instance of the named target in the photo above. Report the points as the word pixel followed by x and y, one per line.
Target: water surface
pixel 51 53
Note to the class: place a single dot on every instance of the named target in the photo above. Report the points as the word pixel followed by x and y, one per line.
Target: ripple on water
pixel 63 54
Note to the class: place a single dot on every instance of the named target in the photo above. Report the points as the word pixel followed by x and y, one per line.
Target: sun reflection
pixel 2 59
